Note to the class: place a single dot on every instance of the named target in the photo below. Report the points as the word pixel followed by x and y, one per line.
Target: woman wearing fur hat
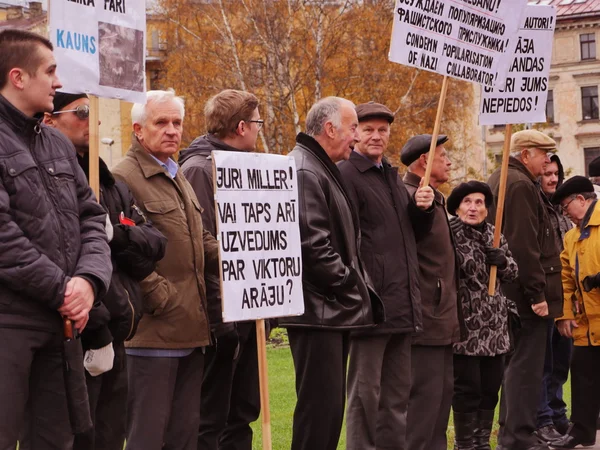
pixel 479 359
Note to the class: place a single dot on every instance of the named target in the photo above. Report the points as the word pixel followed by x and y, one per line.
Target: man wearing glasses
pixel 135 247
pixel 230 391
pixel 537 291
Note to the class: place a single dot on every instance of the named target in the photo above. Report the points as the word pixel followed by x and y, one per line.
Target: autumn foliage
pixel 290 53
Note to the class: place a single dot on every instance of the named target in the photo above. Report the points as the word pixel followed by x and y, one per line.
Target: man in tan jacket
pixel 165 358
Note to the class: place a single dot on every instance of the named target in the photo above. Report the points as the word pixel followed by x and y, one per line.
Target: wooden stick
pixel 94 145
pixel 265 412
pixel 500 206
pixel 436 131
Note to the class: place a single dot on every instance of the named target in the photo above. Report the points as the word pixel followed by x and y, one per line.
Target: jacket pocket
pixel 25 187
pixel 62 177
pixel 167 216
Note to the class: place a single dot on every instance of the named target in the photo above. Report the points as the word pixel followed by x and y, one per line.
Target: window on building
pixel 589 155
pixel 589 102
pixel 550 107
pixel 587 42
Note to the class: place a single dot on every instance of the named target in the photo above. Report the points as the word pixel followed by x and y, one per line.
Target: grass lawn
pixel 283 399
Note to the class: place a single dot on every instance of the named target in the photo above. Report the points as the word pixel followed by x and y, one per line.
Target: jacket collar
pixel 413 179
pixel 148 164
pixel 16 120
pixel 518 165
pixel 364 164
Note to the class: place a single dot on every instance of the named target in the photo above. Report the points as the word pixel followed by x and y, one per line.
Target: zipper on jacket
pixel 132 315
pixel 52 200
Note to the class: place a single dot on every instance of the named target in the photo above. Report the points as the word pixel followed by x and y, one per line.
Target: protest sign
pixel 522 96
pixel 462 39
pixel 100 47
pixel 256 203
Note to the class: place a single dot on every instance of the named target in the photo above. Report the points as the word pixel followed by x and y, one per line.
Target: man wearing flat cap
pixel 537 291
pixel 581 309
pixel 390 218
pixel 431 352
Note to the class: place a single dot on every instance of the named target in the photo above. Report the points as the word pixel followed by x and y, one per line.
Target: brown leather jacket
pixel 337 291
pixel 175 294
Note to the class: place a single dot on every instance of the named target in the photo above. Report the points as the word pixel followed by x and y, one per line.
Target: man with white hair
pixel 166 358
pixel 537 291
pixel 338 297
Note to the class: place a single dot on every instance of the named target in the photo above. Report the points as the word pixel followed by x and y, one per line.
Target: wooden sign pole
pixel 500 206
pixel 94 145
pixel 436 131
pixel 265 412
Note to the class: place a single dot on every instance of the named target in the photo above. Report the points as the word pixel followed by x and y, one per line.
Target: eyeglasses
pixel 82 111
pixel 564 207
pixel 258 122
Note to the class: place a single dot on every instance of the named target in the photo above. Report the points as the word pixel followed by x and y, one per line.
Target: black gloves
pixel 590 282
pixel 495 257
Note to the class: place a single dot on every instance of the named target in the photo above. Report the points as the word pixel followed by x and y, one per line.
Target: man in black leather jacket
pixel 135 246
pixel 338 296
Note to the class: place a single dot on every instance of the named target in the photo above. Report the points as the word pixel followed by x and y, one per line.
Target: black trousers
pixel 163 405
pixel 32 384
pixel 521 386
pixel 585 391
pixel 432 386
pixel 107 393
pixel 230 392
pixel 320 360
pixel 477 381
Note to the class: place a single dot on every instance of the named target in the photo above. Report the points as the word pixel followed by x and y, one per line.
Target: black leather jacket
pixel 337 292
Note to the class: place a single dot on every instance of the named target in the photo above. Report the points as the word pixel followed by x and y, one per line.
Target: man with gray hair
pixel 166 357
pixel 338 297
pixel 537 291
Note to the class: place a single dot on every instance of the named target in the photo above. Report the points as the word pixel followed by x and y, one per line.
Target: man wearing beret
pixel 379 371
pixel 431 353
pixel 581 309
pixel 537 291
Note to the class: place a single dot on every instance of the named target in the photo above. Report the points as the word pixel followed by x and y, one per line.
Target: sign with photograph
pixel 100 47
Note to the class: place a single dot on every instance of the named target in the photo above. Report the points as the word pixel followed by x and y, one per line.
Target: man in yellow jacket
pixel 581 312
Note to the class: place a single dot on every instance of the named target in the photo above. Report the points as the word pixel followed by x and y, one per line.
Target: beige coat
pixel 175 313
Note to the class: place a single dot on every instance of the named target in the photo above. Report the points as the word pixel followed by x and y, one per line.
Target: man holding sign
pixel 537 291
pixel 337 295
pixel 230 392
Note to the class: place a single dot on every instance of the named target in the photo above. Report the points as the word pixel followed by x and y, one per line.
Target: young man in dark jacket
pixel 230 390
pixel 54 256
pixel 538 289
pixel 135 247
pixel 432 355
pixel 380 362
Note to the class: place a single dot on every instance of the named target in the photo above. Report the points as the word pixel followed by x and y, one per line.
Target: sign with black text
pixel 100 47
pixel 462 39
pixel 522 96
pixel 256 201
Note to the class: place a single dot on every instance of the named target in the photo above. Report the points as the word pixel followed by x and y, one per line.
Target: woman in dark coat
pixel 479 359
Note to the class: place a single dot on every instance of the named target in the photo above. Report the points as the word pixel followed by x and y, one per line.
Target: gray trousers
pixel 163 407
pixel 32 384
pixel 378 391
pixel 431 391
pixel 521 386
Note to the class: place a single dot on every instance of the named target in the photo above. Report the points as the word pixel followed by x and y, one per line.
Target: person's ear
pixel 49 119
pixel 137 130
pixel 329 130
pixel 17 77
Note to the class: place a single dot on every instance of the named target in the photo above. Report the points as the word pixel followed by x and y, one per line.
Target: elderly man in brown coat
pixel 166 357
pixel 537 291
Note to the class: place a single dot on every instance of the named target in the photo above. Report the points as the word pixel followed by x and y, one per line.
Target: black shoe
pixel 483 429
pixel 548 433
pixel 562 427
pixel 464 426
pixel 569 441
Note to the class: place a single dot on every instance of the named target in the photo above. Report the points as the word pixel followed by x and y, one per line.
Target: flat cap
pixel 62 99
pixel 532 139
pixel 574 185
pixel 594 167
pixel 462 190
pixel 417 146
pixel 371 110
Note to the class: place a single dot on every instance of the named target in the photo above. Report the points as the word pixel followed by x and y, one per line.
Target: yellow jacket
pixel 580 258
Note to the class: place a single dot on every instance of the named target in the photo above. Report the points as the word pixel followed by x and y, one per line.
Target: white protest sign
pixel 462 39
pixel 256 202
pixel 100 47
pixel 522 97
